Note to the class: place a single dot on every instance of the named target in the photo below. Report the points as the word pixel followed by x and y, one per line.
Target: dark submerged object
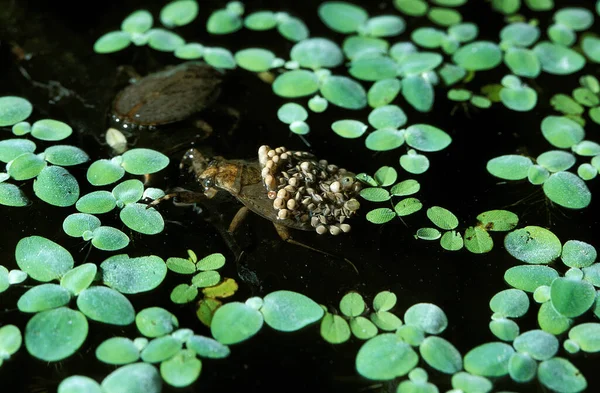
pixel 167 96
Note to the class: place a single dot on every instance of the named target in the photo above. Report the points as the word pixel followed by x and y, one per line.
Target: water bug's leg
pixel 238 219
pixel 183 197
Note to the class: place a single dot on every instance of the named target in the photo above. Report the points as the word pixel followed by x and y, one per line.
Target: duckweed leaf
pixel 118 351
pixel 26 166
pixel 533 244
pixel 561 131
pixel 235 322
pixel 179 13
pixel 343 92
pixel 11 195
pixel 42 259
pixel 362 328
pixel 334 329
pixel 520 34
pixel 406 187
pixel 498 220
pixel 65 155
pixel 381 215
pixel 521 99
pixel 560 375
pixel 510 303
pixel 129 191
pixel 56 186
pixel 254 59
pixel 4 281
pixel 384 301
pixel 358 46
pixel 113 41
pixel 155 322
pixel 96 202
pixel 388 116
pixel 587 336
pixel 509 167
pixel 408 206
pixel 565 104
pixel 529 277
pixel 10 340
pixel 384 139
pixel 375 194
pixel 412 7
pixel 211 262
pixel 144 161
pixel 471 383
pixel 103 172
pixel 414 162
pixel 55 334
pixel 138 21
pixel 385 357
pixel 299 127
pixel 489 360
pixel 14 110
pixel 352 304
pixel 133 275
pixel 452 241
pixel 373 68
pixel 341 16
pixel 561 35
pixel 478 56
pixel 349 128
pixel 426 316
pixel 383 92
pixel 521 368
pixel 13 148
pixel 50 130
pixel 160 348
pixel 556 160
pixel 418 92
pixel 133 378
pixel 443 218
pixel 428 234
pixel 504 329
pixel 43 297
pixel 552 321
pixel 477 240
pixel 105 305
pixel 164 40
pixel 260 20
pixel 522 62
pixel 578 254
pixel 226 288
pixel 182 369
pixel 587 172
pixel 207 347
pixel 586 148
pixel 79 278
pixel 574 18
pixel 109 239
pixel 140 218
pixel 557 59
pixel 206 279
pixel 317 53
pixel 571 297
pixel 538 344
pixel 591 48
pixel 288 311
pixel 386 176
pixel 444 16
pixel 383 26
pixel 296 83
pixel 293 29
pixel 79 384
pixel 568 190
pixel 291 112
pixel 189 51
pixel 441 355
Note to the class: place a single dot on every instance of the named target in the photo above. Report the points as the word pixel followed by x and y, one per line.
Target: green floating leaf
pixel 133 275
pixel 383 92
pixel 260 20
pixel 103 172
pixel 300 128
pixel 254 59
pixel 317 53
pixel 478 56
pixel 296 83
pixel 358 46
pixel 352 304
pixel 521 368
pixel 211 262
pixel 533 244
pixel 414 162
pixel 384 139
pixel 184 293
pixel 509 167
pixel 428 234
pixel 50 130
pixel 181 370
pixel 105 305
pixel 362 328
pixel 505 329
pixel 568 190
pixel 383 26
pixel 412 7
pixel 341 16
pixel 489 360
pixel 520 34
pixel 452 241
pixel 289 311
pixel 408 206
pixel 510 303
pixel 11 195
pixel 385 357
pixel 565 104
pixel 529 277
pixel 144 161
pixel 189 51
pixel 586 335
pixel 293 29
pixel 441 355
pixel 498 220
pixel 418 92
pixel 56 186
pixel 381 215
pixel 574 18
pixel 56 334
pixel 561 131
pixel 164 40
pixel 13 148
pixel 181 265
pixel 235 322
pixel 14 110
pixel 160 349
pixel 207 347
pixel 522 62
pixel 43 297
pixel 556 160
pixel 349 128
pixel 538 344
pixel 129 191
pixel 113 41
pixel 206 279
pixel 133 378
pixel 117 351
pixel 139 21
pixel 388 116
pixel 109 239
pixel 291 112
pixel 557 59
pixel 586 148
pixel 471 383
pixel 560 375
pixel 591 48
pixel 317 104
pixel 386 176
pixel 477 240
pixel 384 301
pixel 578 254
pixel 406 187
pixel 79 384
pixel 140 218
pixel 334 329
pixel 373 68
pixel 551 321
pixel 178 13
pixel 375 194
pixel 571 297
pixel 79 278
pixel 343 92
pixel 25 167
pixel 42 259
pixel 521 99
pixel 426 316
pixel 65 155
pixel 561 35
pixel 155 322
pixel 428 37
pixel 443 218
pixel 444 16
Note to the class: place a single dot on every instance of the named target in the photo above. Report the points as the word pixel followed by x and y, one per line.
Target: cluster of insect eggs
pixel 310 190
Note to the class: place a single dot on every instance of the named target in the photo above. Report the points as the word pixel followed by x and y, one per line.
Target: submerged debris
pixel 308 189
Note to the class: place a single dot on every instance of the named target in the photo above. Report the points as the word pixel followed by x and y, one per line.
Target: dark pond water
pixel 65 80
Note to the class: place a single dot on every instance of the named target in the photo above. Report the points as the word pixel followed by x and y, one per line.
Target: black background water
pixel 67 81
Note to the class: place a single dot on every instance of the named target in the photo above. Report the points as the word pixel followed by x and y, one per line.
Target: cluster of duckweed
pixel 307 189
